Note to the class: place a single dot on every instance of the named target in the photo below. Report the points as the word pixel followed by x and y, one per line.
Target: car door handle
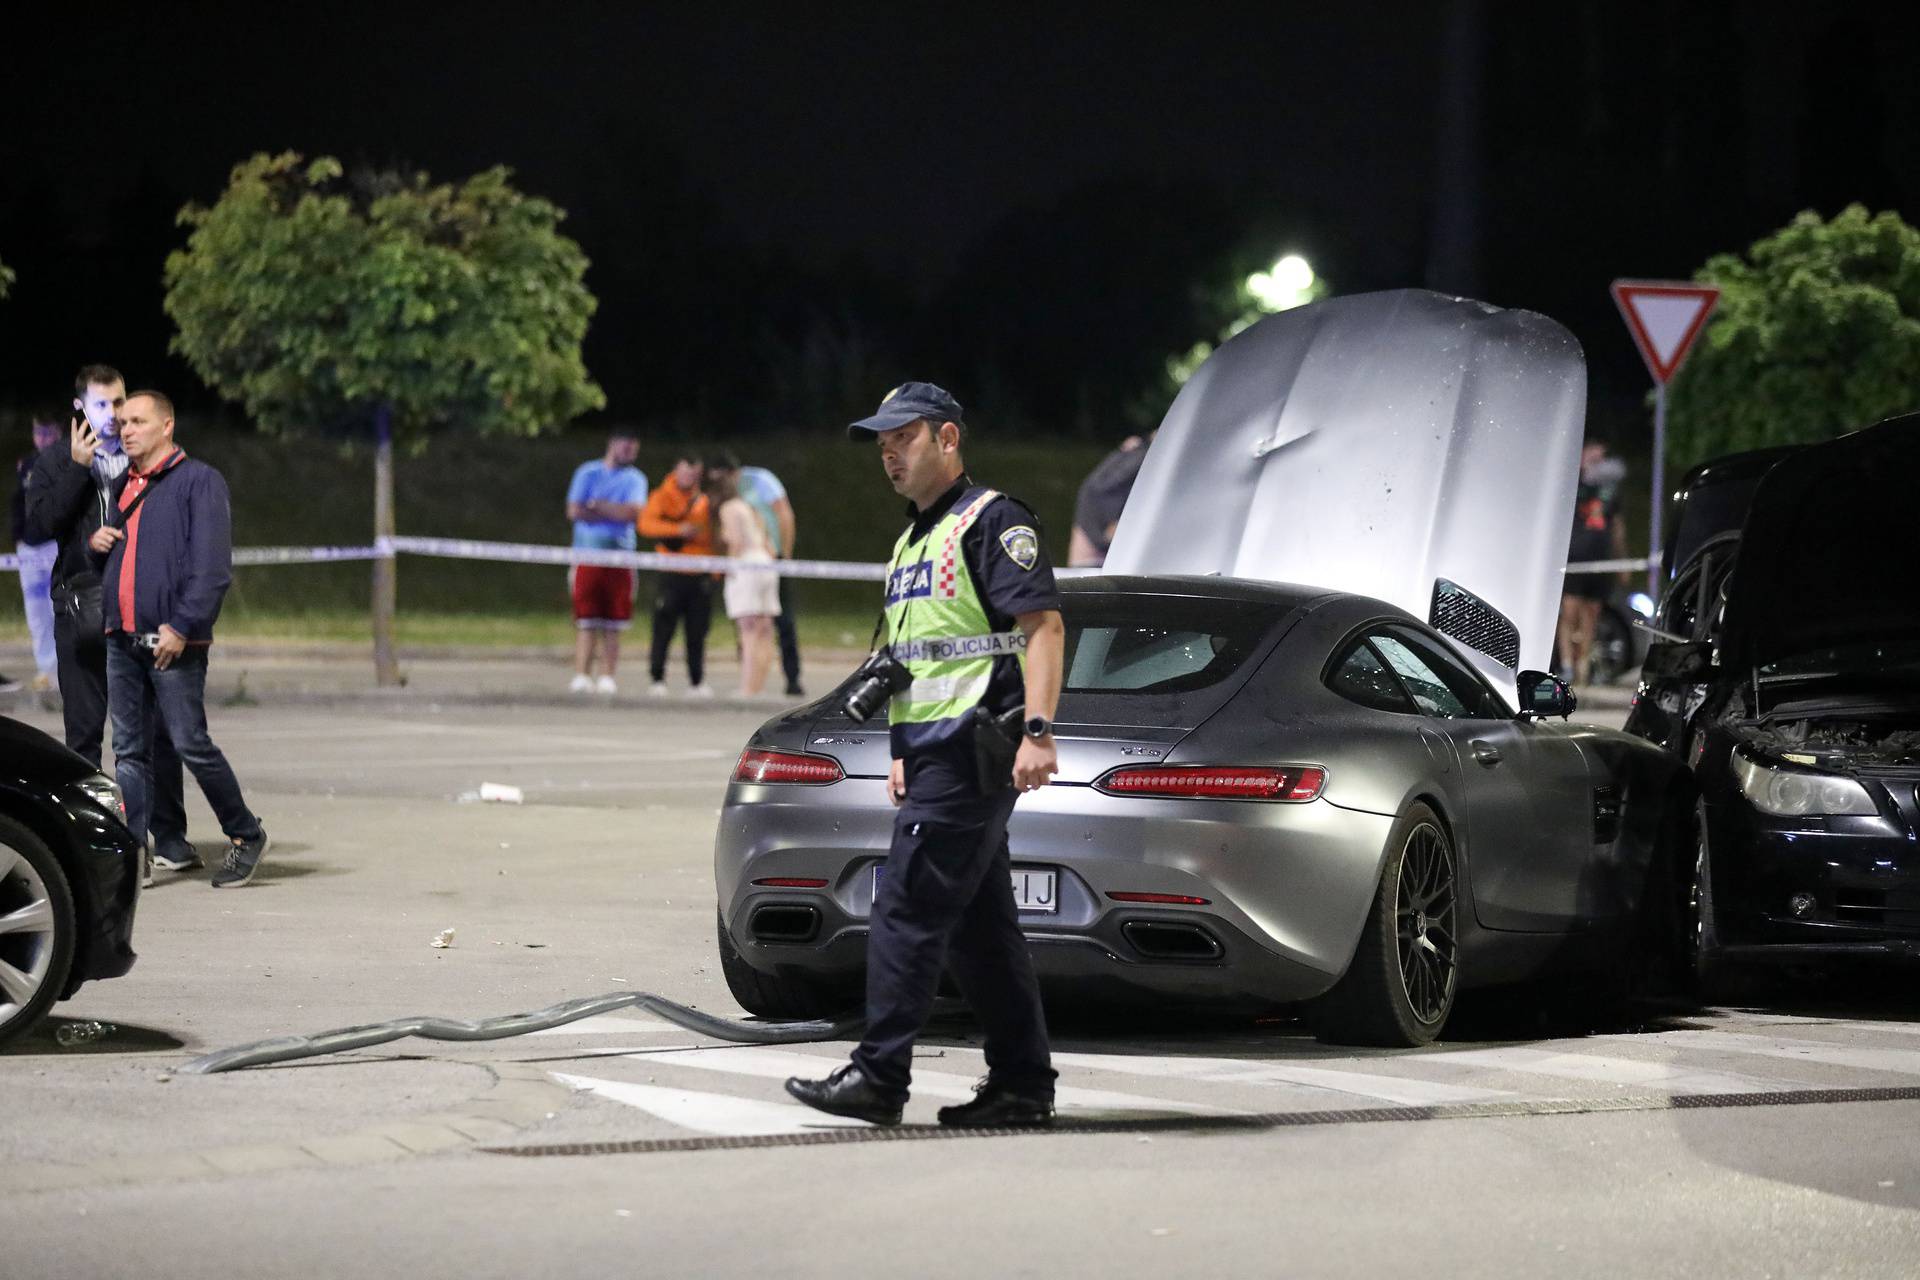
pixel 1485 752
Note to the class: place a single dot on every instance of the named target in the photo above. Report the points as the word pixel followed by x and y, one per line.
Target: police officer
pixel 972 610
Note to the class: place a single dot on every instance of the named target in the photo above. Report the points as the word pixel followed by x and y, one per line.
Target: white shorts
pixel 749 594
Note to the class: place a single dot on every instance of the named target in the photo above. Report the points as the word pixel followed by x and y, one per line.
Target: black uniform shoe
pixel 847 1092
pixel 999 1106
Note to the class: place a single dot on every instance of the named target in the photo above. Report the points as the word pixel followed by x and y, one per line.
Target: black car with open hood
pixel 1788 676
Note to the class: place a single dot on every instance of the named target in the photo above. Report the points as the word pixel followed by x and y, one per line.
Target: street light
pixel 1288 283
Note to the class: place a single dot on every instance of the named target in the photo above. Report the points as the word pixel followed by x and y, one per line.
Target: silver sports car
pixel 1271 792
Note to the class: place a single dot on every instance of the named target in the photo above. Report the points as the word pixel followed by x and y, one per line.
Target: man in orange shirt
pixel 677 516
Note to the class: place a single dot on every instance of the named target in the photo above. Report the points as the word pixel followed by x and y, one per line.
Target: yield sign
pixel 1665 317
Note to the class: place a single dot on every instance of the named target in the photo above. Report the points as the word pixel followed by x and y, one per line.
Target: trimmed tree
pixel 382 304
pixel 1817 334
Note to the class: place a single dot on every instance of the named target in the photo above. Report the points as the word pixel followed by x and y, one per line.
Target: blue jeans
pixel 142 699
pixel 36 576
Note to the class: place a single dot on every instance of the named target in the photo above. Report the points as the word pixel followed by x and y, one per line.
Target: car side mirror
pixel 1543 695
pixel 1679 660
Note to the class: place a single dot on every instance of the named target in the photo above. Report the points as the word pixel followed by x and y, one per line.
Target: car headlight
pixel 1790 793
pixel 101 790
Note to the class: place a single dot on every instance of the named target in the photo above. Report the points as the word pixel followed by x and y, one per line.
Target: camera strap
pixel 119 518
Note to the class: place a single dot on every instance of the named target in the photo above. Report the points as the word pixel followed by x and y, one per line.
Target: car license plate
pixel 1032 890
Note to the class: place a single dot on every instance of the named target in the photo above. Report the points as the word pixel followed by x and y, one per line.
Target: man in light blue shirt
pixel 603 501
pixel 768 497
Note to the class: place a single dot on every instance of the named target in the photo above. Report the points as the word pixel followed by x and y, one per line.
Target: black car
pixel 1787 674
pixel 70 876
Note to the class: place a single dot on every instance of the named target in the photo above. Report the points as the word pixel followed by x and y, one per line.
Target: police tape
pixel 669 562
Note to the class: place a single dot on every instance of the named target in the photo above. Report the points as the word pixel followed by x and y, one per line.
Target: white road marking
pixel 774 1064
pixel 710 1112
pixel 1321 1077
pixel 1665 1076
pixel 1896 1061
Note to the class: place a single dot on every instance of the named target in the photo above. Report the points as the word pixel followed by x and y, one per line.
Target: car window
pixel 1466 689
pixel 1429 691
pixel 1147 644
pixel 1361 677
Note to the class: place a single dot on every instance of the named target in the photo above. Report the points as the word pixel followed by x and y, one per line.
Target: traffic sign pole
pixel 1655 542
pixel 1664 317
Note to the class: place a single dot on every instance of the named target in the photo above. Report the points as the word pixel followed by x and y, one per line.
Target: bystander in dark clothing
pixel 163 584
pixel 66 501
pixel 1102 497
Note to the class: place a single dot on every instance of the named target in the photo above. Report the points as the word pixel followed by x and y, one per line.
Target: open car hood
pixel 1826 555
pixel 1406 445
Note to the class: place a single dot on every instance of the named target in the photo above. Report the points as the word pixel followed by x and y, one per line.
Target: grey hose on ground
pixel 291 1048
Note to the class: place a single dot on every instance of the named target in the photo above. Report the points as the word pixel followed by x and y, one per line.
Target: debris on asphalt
pixel 501 793
pixel 75 1034
pixel 444 938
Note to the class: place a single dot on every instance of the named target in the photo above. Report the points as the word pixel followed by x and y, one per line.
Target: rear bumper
pixel 1287 888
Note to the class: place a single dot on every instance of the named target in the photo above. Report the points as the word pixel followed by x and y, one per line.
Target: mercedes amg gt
pixel 1299 758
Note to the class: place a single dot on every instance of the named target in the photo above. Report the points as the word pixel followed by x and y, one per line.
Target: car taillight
pixel 791 882
pixel 1292 784
pixel 1160 899
pixel 786 766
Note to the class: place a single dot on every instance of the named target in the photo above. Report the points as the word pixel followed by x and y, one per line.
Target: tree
pixel 6 279
pixel 382 303
pixel 1817 334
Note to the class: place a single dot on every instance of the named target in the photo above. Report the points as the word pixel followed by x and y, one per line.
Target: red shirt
pixel 137 482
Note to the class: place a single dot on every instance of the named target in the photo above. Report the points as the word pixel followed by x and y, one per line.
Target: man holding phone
pixel 69 491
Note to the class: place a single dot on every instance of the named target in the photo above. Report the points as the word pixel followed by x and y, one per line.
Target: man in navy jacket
pixel 169 560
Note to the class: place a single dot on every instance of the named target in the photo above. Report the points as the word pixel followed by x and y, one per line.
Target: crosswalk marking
pixel 773 1064
pixel 1671 1063
pixel 1896 1061
pixel 708 1112
pixel 1666 1076
pixel 1363 1084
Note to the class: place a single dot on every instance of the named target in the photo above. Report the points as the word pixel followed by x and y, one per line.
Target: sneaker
pixel 700 691
pixel 581 683
pixel 658 689
pixel 242 860
pixel 794 690
pixel 605 684
pixel 8 684
pixel 42 682
pixel 183 858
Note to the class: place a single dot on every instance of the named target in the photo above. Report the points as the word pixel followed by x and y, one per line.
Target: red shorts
pixel 602 597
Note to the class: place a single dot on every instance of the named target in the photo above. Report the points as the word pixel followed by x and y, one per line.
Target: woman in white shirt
pixel 752 597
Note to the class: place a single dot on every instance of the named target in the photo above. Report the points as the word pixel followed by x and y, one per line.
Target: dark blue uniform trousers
pixel 946 901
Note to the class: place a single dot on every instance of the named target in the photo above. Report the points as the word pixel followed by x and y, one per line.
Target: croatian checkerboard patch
pixel 1022 546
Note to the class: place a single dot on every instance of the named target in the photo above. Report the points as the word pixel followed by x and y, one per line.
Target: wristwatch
pixel 1038 726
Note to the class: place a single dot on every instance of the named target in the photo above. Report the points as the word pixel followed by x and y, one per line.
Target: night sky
pixel 1025 205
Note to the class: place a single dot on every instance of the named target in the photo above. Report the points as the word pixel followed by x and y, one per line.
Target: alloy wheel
pixel 26 932
pixel 1424 915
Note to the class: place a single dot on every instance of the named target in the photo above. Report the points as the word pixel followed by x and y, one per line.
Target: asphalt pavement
pixel 1767 1140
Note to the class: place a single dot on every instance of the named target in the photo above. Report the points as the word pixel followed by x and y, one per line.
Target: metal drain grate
pixel 1253 1123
